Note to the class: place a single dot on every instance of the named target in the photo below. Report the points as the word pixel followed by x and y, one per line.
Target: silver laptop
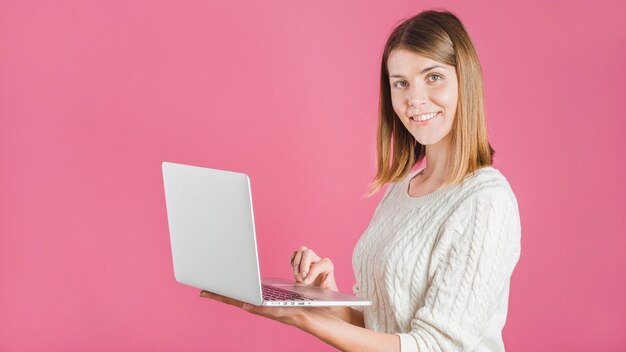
pixel 211 225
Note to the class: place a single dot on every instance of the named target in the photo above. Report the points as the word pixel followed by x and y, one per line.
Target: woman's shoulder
pixel 487 182
pixel 483 191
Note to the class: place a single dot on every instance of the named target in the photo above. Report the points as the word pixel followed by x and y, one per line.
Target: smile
pixel 424 117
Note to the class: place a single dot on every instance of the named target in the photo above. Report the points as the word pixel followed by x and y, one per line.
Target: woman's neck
pixel 437 156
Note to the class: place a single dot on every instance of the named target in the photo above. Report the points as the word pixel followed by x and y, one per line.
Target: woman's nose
pixel 417 99
pixel 418 96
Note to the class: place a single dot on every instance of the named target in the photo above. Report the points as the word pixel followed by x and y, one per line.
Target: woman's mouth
pixel 423 118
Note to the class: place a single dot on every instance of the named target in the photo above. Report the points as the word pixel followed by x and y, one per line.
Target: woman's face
pixel 424 95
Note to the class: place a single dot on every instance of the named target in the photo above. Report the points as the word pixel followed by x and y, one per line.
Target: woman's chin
pixel 428 140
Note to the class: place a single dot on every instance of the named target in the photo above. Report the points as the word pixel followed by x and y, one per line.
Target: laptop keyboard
pixel 275 294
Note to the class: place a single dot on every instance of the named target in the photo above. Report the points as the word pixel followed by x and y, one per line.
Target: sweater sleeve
pixel 472 274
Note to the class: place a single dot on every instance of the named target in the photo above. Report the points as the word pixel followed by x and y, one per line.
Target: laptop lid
pixel 208 206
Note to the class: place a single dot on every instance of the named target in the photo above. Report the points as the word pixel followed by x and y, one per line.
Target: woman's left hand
pixel 287 315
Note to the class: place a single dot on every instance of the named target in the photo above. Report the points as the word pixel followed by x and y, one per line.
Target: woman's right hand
pixel 309 268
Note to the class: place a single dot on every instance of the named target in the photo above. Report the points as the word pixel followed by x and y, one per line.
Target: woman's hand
pixel 322 323
pixel 287 315
pixel 294 316
pixel 309 268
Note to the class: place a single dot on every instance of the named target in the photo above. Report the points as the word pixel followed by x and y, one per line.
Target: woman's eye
pixel 396 84
pixel 439 77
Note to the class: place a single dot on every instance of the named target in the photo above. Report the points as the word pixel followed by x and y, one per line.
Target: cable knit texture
pixel 438 267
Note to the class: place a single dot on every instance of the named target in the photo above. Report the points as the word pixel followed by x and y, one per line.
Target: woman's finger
pixel 308 257
pixel 296 260
pixel 322 267
pixel 223 299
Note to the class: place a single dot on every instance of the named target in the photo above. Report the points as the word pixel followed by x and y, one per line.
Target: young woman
pixel 438 254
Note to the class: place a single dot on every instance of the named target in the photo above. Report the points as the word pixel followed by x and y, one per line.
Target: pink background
pixel 94 95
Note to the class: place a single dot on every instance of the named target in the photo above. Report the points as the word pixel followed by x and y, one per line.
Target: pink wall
pixel 95 94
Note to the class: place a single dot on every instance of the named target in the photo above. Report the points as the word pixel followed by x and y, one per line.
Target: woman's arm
pixel 322 323
pixel 341 327
pixel 343 335
pixel 349 315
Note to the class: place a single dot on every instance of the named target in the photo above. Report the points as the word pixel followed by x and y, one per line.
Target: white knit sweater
pixel 438 267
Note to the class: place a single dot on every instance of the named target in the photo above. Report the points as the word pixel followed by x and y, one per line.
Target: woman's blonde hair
pixel 440 36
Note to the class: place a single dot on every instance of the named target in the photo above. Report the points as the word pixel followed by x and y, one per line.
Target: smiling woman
pixel 427 105
pixel 437 257
pixel 429 65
